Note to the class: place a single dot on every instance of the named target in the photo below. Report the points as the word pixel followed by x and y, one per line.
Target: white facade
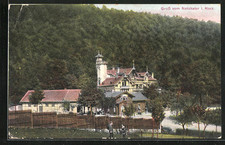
pixel 49 107
pixel 101 67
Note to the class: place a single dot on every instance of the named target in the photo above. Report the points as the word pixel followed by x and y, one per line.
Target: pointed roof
pixel 99 55
pixel 127 71
pixel 55 95
pixel 152 79
pixel 111 81
pixel 137 96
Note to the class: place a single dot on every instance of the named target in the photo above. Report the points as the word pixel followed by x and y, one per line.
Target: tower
pixel 101 67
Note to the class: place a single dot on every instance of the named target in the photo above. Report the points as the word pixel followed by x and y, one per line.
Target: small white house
pixel 53 101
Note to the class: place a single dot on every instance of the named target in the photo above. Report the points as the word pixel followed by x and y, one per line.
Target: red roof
pixel 55 95
pixel 150 78
pixel 110 81
pixel 127 71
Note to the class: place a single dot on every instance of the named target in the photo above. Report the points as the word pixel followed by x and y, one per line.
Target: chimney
pixel 113 68
pixel 152 74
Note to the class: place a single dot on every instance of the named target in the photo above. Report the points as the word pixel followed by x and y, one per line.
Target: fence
pixel 53 120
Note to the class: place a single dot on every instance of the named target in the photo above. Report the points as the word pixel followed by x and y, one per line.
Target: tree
pixel 198 112
pixel 151 92
pixel 206 119
pixel 107 103
pixel 216 118
pixel 84 81
pixel 167 98
pixel 204 80
pixel 129 110
pixel 71 81
pixel 157 112
pixel 183 102
pixel 66 106
pixel 90 96
pixel 36 96
pixel 54 74
pixel 184 118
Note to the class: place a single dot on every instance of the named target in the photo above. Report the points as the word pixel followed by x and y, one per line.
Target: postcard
pixel 114 71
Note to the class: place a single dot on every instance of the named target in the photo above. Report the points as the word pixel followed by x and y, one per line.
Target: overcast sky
pixel 203 12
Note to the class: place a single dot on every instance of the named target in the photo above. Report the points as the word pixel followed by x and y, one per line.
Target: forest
pixel 54 47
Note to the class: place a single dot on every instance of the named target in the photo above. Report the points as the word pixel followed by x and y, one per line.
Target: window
pixel 99 81
pixel 46 104
pixel 29 105
pixel 139 107
pixel 124 97
pixel 124 83
pixel 53 105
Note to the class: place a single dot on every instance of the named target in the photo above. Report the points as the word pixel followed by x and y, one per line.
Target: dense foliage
pixel 36 96
pixel 57 44
pixel 129 110
pixel 91 97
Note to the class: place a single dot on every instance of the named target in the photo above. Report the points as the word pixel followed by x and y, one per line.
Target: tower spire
pixel 133 65
pixel 146 68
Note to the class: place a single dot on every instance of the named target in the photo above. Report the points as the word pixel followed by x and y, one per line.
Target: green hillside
pixel 54 46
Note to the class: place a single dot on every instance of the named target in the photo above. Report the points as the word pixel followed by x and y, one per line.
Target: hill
pixel 54 46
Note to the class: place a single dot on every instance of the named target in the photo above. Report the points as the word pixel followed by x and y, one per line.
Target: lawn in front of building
pixel 168 136
pixel 68 133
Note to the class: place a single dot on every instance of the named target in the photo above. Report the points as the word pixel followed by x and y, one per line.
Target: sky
pixel 202 12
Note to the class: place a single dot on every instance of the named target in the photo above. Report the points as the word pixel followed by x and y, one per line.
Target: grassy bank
pixel 51 133
pixel 168 136
pixel 48 133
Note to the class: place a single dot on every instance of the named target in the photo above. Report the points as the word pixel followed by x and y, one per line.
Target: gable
pixel 124 97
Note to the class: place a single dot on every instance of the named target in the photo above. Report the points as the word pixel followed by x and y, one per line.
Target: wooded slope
pixel 54 46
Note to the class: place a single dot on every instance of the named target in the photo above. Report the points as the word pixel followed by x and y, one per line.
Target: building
pixel 125 84
pixel 121 79
pixel 53 101
pixel 125 99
